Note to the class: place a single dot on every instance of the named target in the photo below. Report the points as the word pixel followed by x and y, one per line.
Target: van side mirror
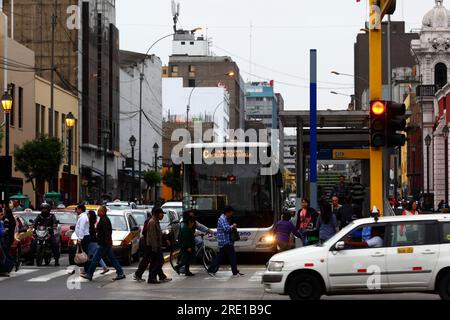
pixel 339 246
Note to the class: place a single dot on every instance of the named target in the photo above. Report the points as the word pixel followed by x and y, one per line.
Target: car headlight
pixel 166 232
pixel 275 266
pixel 117 243
pixel 267 239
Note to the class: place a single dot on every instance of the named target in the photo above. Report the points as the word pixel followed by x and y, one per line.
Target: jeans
pixel 92 248
pixel 101 251
pixel 145 262
pixel 227 250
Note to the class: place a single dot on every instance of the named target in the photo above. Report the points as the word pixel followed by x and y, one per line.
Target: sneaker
pixel 56 263
pixel 189 274
pixel 6 275
pixel 237 275
pixel 212 274
pixel 177 269
pixel 85 276
pixel 165 280
pixel 105 271
pixel 119 277
pixel 138 279
pixel 71 272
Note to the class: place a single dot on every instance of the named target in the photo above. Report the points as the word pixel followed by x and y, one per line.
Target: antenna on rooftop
pixel 175 14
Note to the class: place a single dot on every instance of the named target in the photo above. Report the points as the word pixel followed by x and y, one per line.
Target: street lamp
pixel 7 103
pixel 106 134
pixel 70 124
pixel 445 132
pixel 155 150
pixel 428 143
pixel 132 144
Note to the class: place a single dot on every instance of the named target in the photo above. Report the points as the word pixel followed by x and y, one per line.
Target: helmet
pixel 45 205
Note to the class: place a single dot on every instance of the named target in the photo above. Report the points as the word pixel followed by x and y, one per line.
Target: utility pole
pixel 52 75
pixel 141 79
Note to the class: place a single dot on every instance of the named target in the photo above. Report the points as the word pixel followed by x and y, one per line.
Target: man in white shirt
pixel 376 241
pixel 82 228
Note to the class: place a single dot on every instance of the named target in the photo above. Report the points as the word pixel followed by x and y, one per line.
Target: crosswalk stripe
pixel 50 276
pixel 19 273
pixel 257 276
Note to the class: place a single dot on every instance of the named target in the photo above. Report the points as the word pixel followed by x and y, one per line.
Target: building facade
pixel 130 70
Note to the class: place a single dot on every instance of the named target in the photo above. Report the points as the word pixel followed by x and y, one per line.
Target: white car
pixel 391 254
pixel 175 206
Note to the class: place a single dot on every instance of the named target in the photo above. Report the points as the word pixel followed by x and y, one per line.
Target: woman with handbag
pixel 226 240
pixel 92 248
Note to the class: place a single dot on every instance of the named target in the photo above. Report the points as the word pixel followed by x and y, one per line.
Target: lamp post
pixel 70 123
pixel 132 144
pixel 155 150
pixel 428 143
pixel 7 103
pixel 445 132
pixel 353 97
pixel 105 133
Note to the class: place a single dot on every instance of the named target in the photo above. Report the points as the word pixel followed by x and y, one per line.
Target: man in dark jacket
pixel 154 242
pixel 148 253
pixel 104 240
pixel 48 220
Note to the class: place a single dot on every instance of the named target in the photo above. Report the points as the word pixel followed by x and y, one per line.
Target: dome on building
pixel 438 17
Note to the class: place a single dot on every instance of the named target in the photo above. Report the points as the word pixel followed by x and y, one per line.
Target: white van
pixel 389 254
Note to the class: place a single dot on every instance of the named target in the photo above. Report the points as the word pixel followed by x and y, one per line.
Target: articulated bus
pixel 243 175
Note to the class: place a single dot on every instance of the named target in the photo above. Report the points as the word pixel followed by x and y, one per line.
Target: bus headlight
pixel 275 266
pixel 267 239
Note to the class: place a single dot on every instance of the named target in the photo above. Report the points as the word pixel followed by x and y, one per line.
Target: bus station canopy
pixel 326 119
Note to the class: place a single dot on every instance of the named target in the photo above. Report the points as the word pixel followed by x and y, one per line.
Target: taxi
pixel 372 255
pixel 125 237
pixel 93 207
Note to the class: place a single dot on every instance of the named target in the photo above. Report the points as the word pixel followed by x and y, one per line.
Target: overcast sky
pixel 283 32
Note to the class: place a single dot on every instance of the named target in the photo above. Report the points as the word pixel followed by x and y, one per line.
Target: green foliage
pixel 39 159
pixel 173 181
pixel 152 178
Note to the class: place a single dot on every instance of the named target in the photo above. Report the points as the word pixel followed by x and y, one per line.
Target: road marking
pixel 49 276
pixel 257 276
pixel 221 276
pixel 19 273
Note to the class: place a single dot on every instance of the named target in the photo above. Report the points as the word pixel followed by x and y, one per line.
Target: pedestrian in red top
pixel 306 223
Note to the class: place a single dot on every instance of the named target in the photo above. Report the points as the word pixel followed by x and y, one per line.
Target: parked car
pixel 120 205
pixel 176 206
pixel 67 219
pixel 389 254
pixel 125 236
pixel 23 239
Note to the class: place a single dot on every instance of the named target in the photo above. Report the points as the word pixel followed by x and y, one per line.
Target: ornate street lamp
pixel 7 103
pixel 70 124
pixel 445 132
pixel 155 150
pixel 132 144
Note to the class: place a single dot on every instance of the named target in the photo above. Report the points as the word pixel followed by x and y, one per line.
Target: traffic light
pixel 395 121
pixel 377 123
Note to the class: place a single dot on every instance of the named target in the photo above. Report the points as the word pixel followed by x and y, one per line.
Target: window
pixel 191 83
pixel 445 232
pixel 367 236
pixel 183 43
pixel 191 43
pixel 132 222
pixel 42 130
pixel 192 71
pixel 440 75
pixel 20 108
pixel 56 124
pixel 413 234
pixel 12 114
pixel 175 71
pixel 37 124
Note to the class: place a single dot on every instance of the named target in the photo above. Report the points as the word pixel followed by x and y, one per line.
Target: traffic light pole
pixel 375 63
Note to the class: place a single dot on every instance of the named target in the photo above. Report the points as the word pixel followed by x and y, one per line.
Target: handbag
pixel 234 235
pixel 80 257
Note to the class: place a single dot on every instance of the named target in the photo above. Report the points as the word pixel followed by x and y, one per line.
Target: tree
pixel 39 160
pixel 152 178
pixel 172 179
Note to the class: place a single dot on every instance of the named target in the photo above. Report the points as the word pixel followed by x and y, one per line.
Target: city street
pixel 31 282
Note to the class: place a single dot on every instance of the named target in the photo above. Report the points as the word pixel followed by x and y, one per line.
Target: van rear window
pixel 445 232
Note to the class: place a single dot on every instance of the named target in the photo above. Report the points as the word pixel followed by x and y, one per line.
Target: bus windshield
pixel 212 187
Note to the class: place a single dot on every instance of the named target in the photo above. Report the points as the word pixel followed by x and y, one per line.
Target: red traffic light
pixel 378 107
pixel 232 178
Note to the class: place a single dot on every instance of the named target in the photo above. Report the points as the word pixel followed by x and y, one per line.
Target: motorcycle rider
pixel 48 220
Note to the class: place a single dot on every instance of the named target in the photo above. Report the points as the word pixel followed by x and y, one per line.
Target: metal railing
pixel 426 90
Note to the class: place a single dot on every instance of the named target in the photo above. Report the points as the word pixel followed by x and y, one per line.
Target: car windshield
pixel 178 210
pixel 140 217
pixel 118 223
pixel 66 218
pixel 29 216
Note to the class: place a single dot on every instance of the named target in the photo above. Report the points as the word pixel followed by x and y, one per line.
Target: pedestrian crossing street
pixel 48 274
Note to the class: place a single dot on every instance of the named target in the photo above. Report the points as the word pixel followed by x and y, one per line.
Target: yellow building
pixel 64 102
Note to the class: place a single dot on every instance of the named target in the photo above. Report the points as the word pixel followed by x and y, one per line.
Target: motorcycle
pixel 43 246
